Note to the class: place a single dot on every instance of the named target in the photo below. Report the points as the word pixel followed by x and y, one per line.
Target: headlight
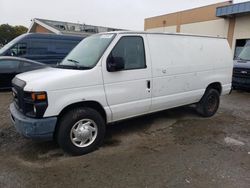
pixel 36 104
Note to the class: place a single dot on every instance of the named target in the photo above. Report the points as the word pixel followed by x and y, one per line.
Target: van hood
pixel 50 79
pixel 242 64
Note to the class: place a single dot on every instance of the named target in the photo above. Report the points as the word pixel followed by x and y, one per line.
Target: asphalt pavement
pixel 173 148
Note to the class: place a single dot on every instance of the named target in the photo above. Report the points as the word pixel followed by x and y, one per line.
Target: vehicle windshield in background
pixel 88 52
pixel 7 46
pixel 245 53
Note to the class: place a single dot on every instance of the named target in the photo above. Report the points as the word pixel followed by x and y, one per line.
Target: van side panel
pixel 183 67
pixel 49 51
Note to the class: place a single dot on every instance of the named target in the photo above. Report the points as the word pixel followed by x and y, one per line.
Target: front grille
pixel 24 103
pixel 241 73
pixel 18 97
pixel 18 93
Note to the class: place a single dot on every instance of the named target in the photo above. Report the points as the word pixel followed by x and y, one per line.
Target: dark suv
pixel 241 71
pixel 41 47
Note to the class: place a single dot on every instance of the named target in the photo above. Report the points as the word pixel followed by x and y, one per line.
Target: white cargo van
pixel 109 77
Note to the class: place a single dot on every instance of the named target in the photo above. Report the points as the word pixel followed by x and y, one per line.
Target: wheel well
pixel 216 86
pixel 91 104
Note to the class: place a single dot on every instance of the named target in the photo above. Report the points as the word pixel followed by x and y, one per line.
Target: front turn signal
pixel 39 96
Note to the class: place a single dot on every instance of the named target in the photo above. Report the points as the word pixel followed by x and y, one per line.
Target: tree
pixel 8 32
pixel 19 30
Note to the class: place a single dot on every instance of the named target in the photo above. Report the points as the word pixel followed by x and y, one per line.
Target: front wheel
pixel 209 103
pixel 81 131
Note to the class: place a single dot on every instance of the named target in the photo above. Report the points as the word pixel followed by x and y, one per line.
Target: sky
pixel 123 14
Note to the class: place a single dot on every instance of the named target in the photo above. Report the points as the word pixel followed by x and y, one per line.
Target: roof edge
pixel 37 21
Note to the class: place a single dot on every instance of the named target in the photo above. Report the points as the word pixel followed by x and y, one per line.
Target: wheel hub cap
pixel 83 133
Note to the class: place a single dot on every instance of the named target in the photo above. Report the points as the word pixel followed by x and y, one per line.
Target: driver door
pixel 128 91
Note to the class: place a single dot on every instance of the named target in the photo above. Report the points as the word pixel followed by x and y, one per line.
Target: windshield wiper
pixel 75 62
pixel 241 59
pixel 76 65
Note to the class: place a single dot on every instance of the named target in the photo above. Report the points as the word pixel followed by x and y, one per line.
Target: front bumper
pixel 37 129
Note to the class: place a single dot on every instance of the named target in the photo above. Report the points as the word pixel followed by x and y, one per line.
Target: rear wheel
pixel 209 103
pixel 81 131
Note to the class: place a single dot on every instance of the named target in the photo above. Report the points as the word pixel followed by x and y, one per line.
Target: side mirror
pixel 115 64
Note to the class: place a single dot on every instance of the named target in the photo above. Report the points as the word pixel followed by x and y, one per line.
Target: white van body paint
pixel 179 69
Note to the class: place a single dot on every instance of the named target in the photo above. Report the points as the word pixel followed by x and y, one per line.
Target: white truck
pixel 114 76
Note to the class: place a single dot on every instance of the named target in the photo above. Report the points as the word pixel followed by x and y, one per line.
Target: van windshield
pixel 88 52
pixel 10 44
pixel 245 53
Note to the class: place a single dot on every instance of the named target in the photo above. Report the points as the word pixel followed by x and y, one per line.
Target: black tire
pixel 209 103
pixel 69 120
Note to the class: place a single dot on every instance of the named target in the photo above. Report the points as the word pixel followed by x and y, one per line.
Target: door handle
pixel 148 84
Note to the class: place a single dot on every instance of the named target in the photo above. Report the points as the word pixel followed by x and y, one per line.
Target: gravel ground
pixel 173 148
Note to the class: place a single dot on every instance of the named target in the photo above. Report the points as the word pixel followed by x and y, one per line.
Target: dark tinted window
pixel 51 46
pixel 38 47
pixel 19 49
pixel 11 43
pixel 245 52
pixel 63 46
pixel 26 66
pixel 239 46
pixel 9 65
pixel 131 49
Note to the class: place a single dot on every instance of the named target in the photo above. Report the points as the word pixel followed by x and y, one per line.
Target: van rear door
pixel 128 90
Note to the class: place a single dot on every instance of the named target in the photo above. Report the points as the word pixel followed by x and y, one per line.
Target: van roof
pixel 52 36
pixel 165 33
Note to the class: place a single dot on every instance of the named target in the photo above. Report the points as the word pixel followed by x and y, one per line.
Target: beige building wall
pixel 242 28
pixel 201 21
pixel 214 28
pixel 41 29
pixel 196 15
pixel 170 29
